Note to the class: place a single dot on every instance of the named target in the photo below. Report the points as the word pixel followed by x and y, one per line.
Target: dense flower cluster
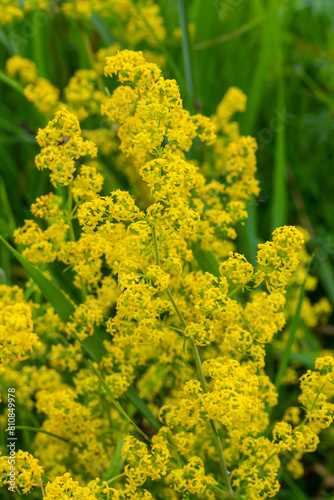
pixel 144 310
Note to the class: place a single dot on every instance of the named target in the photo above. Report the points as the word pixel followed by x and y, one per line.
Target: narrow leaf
pixel 132 396
pixel 62 305
pixel 116 463
pixel 206 260
pixel 116 403
pixel 293 329
pixel 57 299
pixel 102 28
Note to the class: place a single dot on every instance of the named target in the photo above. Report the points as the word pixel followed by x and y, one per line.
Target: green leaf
pixel 293 328
pixel 116 463
pixel 326 276
pixel 11 82
pixel 102 29
pixel 116 403
pixel 6 228
pixel 297 493
pixel 36 429
pixel 63 306
pixel 186 51
pixel 132 396
pixel 279 203
pixel 304 359
pixel 206 260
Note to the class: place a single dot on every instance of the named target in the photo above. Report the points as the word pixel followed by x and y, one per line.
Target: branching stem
pixel 200 373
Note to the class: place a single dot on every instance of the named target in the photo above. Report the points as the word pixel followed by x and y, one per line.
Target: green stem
pixel 116 403
pixel 200 373
pixel 35 429
pixel 69 215
pixel 113 479
pixel 321 95
pixel 72 235
pixel 11 82
pixel 171 327
pixel 279 204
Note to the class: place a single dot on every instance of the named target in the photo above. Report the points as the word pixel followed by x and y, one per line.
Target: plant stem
pixel 72 236
pixel 69 209
pixel 200 373
pixel 11 82
pixel 35 429
pixel 115 478
pixel 117 404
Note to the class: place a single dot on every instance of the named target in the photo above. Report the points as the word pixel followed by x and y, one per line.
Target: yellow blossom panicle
pixel 17 338
pixel 318 391
pixel 62 144
pixel 21 68
pixel 191 479
pixel 142 463
pixel 43 94
pixel 279 259
pixel 81 94
pixel 66 487
pixel 37 90
pixel 28 471
pixel 10 12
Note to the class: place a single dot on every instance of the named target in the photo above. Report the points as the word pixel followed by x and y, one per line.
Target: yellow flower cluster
pixel 279 259
pixel 17 338
pixel 65 487
pixel 10 11
pixel 23 69
pixel 62 144
pixel 28 472
pixel 191 479
pixel 142 463
pixel 81 95
pixel 134 25
pixel 317 392
pixel 38 90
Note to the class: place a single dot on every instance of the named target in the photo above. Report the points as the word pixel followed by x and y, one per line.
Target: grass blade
pixel 279 197
pixel 293 328
pixel 11 82
pixel 326 276
pixel 206 260
pixel 56 297
pixel 116 403
pixel 116 463
pixel 102 29
pixel 186 50
pixel 132 396
pixel 63 306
